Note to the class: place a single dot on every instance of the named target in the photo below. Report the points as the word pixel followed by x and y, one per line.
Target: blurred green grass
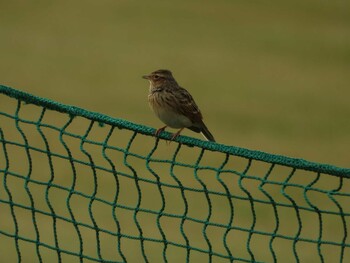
pixel 272 75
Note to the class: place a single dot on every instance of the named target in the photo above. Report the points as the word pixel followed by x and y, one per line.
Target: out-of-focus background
pixel 272 75
pixel 268 75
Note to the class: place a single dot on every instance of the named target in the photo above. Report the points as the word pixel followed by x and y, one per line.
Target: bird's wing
pixel 187 106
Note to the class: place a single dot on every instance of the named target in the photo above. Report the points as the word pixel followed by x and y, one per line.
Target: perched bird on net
pixel 174 105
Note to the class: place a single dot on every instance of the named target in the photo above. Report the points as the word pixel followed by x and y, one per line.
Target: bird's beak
pixel 146 77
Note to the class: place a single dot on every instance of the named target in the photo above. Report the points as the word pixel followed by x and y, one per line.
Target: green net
pixel 79 186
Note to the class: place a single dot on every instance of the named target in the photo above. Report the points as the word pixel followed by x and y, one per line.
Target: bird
pixel 174 105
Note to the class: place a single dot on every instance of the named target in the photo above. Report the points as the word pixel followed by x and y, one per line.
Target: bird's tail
pixel 206 133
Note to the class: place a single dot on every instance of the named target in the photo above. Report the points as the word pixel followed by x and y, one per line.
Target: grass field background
pixel 272 76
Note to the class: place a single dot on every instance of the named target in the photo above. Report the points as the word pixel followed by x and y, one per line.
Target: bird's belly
pixel 172 119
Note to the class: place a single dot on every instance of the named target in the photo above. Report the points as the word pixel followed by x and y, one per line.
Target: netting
pixel 84 187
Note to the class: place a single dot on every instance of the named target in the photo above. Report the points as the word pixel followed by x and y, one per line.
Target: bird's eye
pixel 156 77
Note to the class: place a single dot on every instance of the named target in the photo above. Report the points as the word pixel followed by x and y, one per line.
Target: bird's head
pixel 159 77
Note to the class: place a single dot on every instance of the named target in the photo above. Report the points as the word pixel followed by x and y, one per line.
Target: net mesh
pixel 84 187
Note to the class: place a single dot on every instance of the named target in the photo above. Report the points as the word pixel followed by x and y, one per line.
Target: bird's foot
pixel 159 131
pixel 176 134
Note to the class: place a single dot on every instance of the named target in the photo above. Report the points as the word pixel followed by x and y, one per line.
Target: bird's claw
pixel 175 135
pixel 159 131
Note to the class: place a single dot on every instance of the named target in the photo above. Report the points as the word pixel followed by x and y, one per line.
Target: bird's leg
pixel 159 131
pixel 177 134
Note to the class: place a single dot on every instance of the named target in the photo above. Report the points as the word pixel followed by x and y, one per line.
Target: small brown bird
pixel 174 105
